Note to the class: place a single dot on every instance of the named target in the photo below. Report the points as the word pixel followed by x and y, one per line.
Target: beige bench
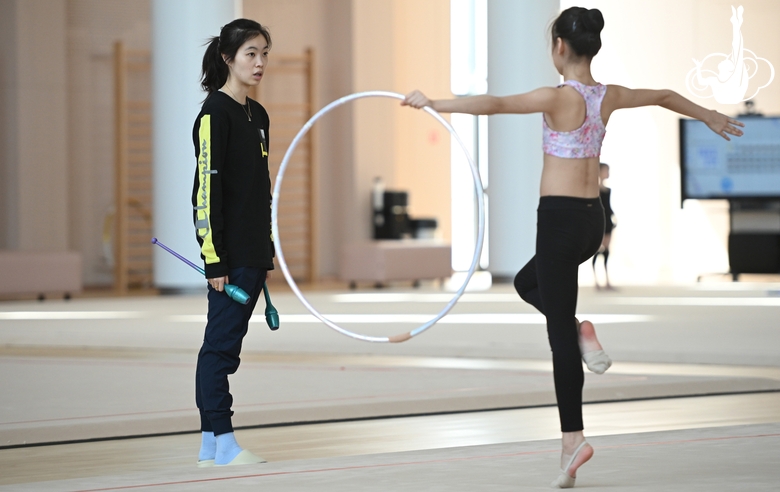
pixel 384 261
pixel 40 273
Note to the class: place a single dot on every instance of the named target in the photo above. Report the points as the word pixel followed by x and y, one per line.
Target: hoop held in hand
pixel 278 239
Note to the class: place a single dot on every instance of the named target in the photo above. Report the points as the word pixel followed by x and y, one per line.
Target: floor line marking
pixel 425 462
pixel 244 405
pixel 358 419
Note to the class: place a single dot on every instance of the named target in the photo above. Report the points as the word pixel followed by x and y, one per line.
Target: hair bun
pixel 581 29
pixel 592 20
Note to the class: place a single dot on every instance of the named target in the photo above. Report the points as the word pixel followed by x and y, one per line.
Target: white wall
pixel 647 44
pixel 519 60
pixel 93 26
pixel 422 145
pixel 362 45
pixel 324 26
pixel 178 35
pixel 651 45
pixel 400 45
pixel 35 146
pixel 8 135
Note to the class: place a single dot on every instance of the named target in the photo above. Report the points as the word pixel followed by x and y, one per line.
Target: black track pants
pixel 228 322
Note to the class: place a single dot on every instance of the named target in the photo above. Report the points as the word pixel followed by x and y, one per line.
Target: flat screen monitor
pixel 746 167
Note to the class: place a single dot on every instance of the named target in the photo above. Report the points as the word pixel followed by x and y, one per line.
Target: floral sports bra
pixel 586 140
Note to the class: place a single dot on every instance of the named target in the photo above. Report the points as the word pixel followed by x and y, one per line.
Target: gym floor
pixel 97 393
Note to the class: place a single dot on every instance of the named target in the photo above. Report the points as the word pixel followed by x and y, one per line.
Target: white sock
pixel 208 446
pixel 227 449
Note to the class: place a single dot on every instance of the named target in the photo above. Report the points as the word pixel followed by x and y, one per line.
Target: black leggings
pixel 569 231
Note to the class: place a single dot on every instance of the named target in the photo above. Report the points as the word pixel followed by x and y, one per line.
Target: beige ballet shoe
pixel 245 457
pixel 565 480
pixel 205 463
pixel 597 361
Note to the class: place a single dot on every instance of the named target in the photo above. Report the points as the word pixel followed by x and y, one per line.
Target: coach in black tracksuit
pixel 232 216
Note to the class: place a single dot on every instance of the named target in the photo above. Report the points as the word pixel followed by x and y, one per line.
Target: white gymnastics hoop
pixel 278 242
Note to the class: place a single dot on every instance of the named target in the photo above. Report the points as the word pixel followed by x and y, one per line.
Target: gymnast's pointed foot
pixel 592 352
pixel 573 461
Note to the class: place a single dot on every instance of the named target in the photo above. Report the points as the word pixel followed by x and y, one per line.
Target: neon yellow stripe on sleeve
pixel 203 221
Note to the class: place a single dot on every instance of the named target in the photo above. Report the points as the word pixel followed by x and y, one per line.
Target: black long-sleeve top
pixel 232 189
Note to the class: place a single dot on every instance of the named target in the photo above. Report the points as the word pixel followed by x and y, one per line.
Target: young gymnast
pixel 231 201
pixel 570 223
pixel 609 223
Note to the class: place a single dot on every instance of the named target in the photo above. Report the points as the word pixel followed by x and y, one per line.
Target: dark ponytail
pixel 581 29
pixel 215 70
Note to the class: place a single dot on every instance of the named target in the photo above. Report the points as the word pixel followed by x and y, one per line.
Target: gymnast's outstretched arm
pixel 619 97
pixel 542 100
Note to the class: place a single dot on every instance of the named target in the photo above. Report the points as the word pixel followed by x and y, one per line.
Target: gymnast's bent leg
pixel 557 265
pixel 567 235
pixel 527 285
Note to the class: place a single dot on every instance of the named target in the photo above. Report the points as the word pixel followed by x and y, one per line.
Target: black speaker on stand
pixel 392 222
